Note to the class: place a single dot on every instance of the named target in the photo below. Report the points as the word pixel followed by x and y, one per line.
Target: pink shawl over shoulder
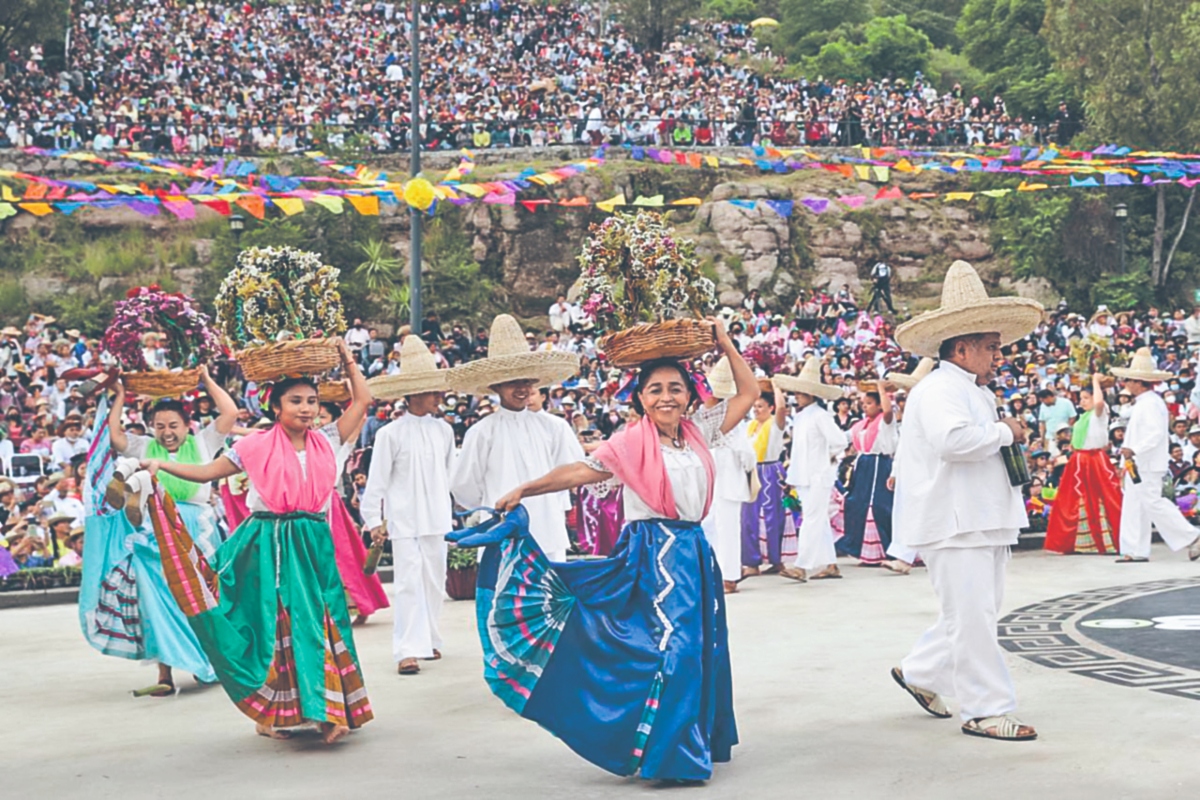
pixel 864 433
pixel 634 456
pixel 274 469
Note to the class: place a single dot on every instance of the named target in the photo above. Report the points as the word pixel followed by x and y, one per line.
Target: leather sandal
pixel 731 587
pixel 794 573
pixel 931 702
pixel 1005 727
pixel 408 666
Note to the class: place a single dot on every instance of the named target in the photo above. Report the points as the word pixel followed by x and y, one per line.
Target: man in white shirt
pixel 514 445
pixel 407 500
pixel 70 443
pixel 560 315
pixel 817 444
pixel 1146 447
pixel 956 504
pixel 357 337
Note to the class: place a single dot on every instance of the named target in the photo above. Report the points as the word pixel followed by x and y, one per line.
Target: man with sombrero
pixel 902 558
pixel 407 499
pixel 817 444
pixel 1145 453
pixel 514 445
pixel 956 504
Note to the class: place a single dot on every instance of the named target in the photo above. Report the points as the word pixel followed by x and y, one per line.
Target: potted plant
pixel 645 290
pixel 462 567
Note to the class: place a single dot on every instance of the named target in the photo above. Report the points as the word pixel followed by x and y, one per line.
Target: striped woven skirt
pixel 270 612
pixel 126 608
pixel 626 659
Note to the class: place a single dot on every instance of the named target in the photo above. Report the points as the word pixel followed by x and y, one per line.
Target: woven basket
pixel 868 386
pixel 161 383
pixel 292 359
pixel 674 338
pixel 333 392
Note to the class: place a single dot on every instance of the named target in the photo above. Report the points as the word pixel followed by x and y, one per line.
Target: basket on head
pixel 161 383
pixel 296 358
pixel 333 392
pixel 672 338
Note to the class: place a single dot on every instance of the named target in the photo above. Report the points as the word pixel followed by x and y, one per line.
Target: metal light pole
pixel 1121 211
pixel 414 251
pixel 237 223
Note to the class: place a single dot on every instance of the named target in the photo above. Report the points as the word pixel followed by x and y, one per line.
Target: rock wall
pixel 535 252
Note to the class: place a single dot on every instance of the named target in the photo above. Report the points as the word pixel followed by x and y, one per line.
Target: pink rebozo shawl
pixel 634 456
pixel 274 469
pixel 864 433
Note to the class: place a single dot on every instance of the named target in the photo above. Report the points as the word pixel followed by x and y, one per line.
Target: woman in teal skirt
pixel 269 608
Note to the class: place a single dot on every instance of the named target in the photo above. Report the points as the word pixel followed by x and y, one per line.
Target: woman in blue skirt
pixel 626 659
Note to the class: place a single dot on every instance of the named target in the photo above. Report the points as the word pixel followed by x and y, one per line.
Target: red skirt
pixel 1086 516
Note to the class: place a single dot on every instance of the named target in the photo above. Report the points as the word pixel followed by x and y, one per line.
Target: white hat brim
pixel 545 367
pixel 1154 376
pixel 792 383
pixel 394 387
pixel 1013 318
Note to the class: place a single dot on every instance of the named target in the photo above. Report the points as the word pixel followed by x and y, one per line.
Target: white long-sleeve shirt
pixel 951 487
pixel 1146 435
pixel 409 480
pixel 509 448
pixel 817 441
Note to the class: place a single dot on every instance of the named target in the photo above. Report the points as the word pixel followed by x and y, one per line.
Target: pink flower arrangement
pixel 768 356
pixel 188 331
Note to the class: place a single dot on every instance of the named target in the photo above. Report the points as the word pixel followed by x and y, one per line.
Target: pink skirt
pixel 365 591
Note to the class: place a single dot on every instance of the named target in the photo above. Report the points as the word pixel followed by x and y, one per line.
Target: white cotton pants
pixel 723 529
pixel 420 585
pixel 903 553
pixel 1143 506
pixel 814 545
pixel 960 655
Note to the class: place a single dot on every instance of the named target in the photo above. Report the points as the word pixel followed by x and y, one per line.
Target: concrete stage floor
pixel 818 713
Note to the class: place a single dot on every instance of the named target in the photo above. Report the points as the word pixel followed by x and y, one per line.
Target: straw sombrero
pixel 720 380
pixel 1143 368
pixel 966 309
pixel 907 380
pixel 510 359
pixel 809 381
pixel 419 373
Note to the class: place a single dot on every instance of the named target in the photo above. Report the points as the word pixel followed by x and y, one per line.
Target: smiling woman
pixel 277 629
pixel 626 658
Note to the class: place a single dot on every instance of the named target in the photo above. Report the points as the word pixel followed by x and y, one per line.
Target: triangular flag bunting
pixel 367 205
pixel 610 204
pixel 649 202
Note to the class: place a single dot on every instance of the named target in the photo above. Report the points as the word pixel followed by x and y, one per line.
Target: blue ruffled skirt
pixel 626 659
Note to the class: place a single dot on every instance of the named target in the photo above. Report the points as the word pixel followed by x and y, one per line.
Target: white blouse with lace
pixel 685 470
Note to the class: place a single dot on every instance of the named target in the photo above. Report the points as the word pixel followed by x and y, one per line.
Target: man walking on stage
pixel 957 505
pixel 1145 454
pixel 407 499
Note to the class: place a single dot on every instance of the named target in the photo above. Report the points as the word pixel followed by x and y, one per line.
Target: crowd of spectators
pixel 46 418
pixel 224 77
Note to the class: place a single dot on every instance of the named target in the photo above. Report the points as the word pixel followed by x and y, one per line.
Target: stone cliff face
pixel 743 249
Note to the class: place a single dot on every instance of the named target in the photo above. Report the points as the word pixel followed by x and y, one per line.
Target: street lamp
pixel 1121 211
pixel 414 250
pixel 237 223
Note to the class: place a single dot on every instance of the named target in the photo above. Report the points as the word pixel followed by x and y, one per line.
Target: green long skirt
pixel 270 613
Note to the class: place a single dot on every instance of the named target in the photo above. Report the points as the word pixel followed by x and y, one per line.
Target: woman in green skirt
pixel 269 608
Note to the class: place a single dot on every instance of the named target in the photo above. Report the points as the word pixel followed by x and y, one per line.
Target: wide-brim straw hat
pixel 907 380
pixel 720 380
pixel 809 381
pixel 10 331
pixel 1143 367
pixel 967 309
pixel 418 374
pixel 510 359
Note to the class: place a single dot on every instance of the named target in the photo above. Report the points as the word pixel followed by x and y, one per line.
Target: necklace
pixel 676 441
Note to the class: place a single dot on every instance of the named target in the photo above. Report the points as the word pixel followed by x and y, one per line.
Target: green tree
pixel 1137 63
pixel 807 23
pixel 23 22
pixel 894 47
pixel 1003 39
pixel 652 22
pixel 937 19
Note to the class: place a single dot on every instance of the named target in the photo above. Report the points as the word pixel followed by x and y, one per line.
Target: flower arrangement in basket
pixel 276 307
pixel 768 356
pixel 186 330
pixel 644 288
pixel 1092 354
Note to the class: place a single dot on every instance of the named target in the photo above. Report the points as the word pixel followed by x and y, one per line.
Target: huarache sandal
pixel 731 587
pixel 927 700
pixel 408 666
pixel 1132 560
pixel 794 573
pixel 157 690
pixel 437 655
pixel 829 573
pixel 898 567
pixel 1005 727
